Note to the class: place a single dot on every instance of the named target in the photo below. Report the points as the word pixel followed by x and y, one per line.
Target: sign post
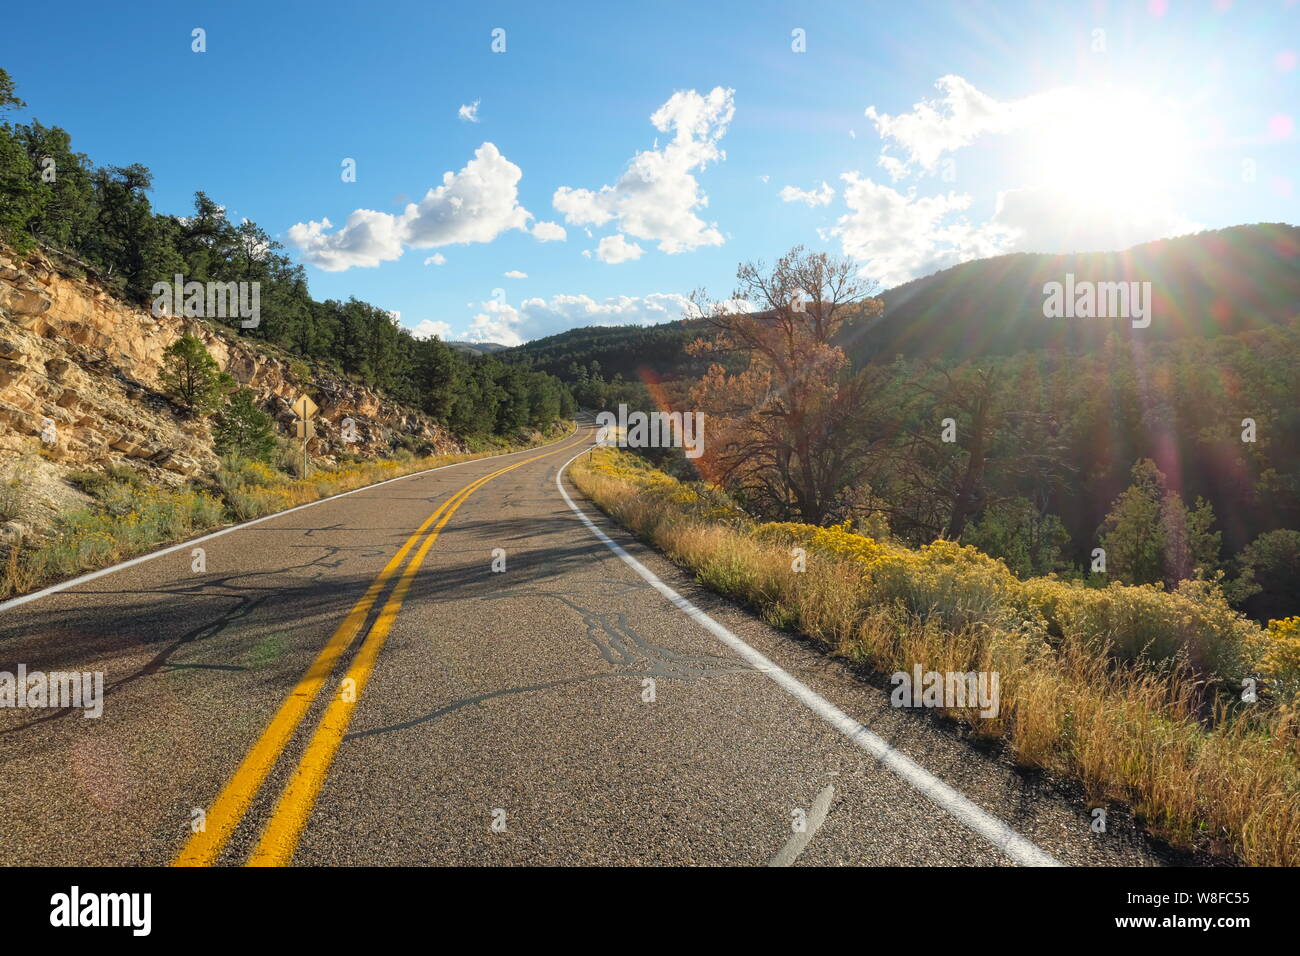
pixel 304 408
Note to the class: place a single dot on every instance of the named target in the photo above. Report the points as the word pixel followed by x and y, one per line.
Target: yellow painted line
pixel 228 809
pixel 280 838
pixel 226 812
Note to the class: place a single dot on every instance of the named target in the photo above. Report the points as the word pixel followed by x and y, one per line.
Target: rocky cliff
pixel 79 380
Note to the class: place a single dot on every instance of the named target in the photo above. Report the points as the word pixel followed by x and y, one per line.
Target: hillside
pixel 1213 283
pixel 478 348
pixel 619 349
pixel 79 382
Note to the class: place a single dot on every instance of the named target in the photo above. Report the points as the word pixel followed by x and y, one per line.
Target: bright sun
pixel 1111 147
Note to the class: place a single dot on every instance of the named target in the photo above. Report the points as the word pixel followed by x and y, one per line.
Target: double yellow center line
pixel 280 837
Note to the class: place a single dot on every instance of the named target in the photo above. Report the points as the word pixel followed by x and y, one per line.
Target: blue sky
pixel 942 132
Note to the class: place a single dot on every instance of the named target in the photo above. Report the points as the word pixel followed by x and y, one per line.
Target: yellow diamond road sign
pixel 304 408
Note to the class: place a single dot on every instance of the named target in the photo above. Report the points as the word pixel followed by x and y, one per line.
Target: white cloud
pixel 1047 219
pixel 549 232
pixel 813 197
pixel 516 274
pixel 367 239
pixel 429 328
pixel 475 205
pixel 657 195
pixel 497 323
pixel 437 259
pixel 945 124
pixel 901 236
pixel 500 322
pixel 469 113
pixel 615 249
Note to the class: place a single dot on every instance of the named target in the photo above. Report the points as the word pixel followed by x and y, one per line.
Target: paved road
pixel 353 683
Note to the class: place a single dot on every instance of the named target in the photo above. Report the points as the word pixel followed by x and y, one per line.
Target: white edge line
pixel 172 549
pixel 1002 836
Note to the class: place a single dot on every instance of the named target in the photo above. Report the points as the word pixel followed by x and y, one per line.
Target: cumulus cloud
pixel 657 196
pixel 469 113
pixel 498 322
pixel 1048 219
pixel 942 125
pixel 428 328
pixel 501 322
pixel 516 274
pixel 476 204
pixel 437 259
pixel 549 232
pixel 366 239
pixel 614 249
pixel 813 197
pixel 901 236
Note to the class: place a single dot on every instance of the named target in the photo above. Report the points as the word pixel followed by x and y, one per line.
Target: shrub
pixel 1278 656
pixel 15 502
pixel 97 483
pixel 1105 684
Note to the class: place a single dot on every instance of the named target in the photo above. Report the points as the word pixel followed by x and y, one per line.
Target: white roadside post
pixel 304 408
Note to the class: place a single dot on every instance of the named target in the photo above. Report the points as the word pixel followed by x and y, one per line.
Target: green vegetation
pixel 245 431
pixel 1133 690
pixel 1038 465
pixel 54 198
pixel 191 375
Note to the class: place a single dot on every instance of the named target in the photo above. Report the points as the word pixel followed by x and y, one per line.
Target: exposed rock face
pixel 79 379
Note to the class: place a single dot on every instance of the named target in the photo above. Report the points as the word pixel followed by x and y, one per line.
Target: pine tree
pixel 243 429
pixel 191 376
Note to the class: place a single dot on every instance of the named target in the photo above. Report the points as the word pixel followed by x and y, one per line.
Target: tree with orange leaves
pixel 790 423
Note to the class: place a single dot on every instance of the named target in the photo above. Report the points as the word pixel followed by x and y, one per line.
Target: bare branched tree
pixel 789 425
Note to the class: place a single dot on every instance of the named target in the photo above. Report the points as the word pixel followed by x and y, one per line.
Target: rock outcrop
pixel 79 379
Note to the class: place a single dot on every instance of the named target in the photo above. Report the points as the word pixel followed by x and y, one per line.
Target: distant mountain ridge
pixel 1211 283
pixel 619 349
pixel 478 348
pixel 1216 282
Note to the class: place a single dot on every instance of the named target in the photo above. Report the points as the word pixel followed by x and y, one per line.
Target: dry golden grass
pixel 1082 694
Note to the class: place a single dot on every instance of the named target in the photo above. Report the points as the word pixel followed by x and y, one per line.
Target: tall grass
pixel 1132 691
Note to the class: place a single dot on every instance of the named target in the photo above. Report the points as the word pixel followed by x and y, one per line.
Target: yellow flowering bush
pixel 1278 656
pixel 960 586
pixel 1137 733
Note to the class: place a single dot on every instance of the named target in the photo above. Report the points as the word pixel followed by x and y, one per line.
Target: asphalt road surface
pixel 453 668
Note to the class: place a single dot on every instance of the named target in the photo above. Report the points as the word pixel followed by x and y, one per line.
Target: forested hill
pixel 1221 282
pixel 621 350
pixel 1225 281
pixel 477 348
pixel 101 219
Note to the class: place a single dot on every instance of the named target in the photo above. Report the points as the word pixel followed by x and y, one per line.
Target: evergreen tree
pixel 191 376
pixel 243 429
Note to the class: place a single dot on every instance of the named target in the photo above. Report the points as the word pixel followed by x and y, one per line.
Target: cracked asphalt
pixel 558 712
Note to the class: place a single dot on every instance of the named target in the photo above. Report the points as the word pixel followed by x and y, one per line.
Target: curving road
pixel 354 683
